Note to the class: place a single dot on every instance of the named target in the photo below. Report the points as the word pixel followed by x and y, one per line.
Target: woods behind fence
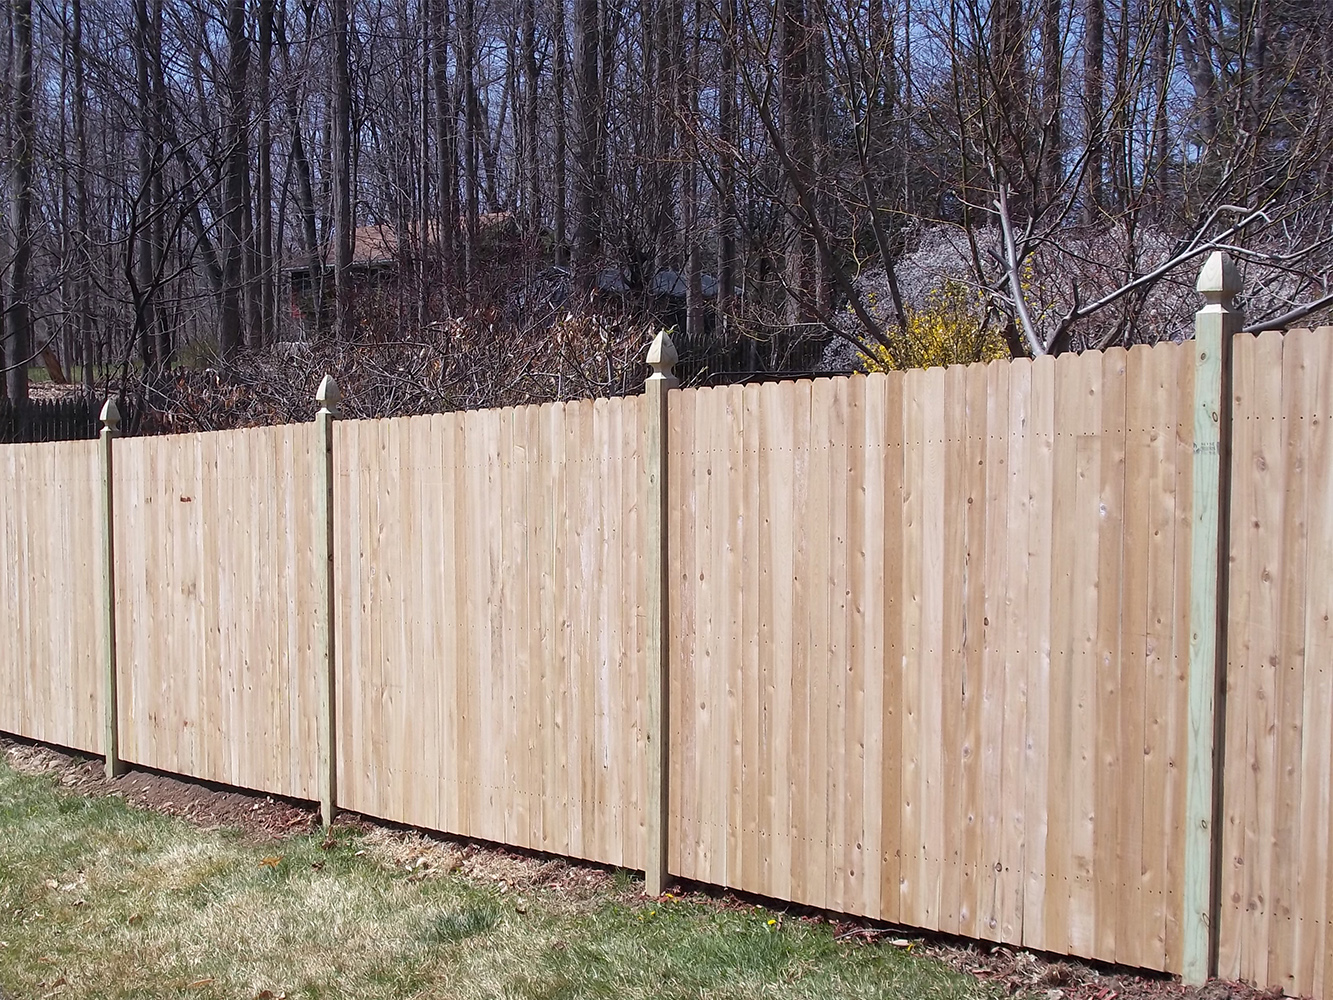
pixel 927 635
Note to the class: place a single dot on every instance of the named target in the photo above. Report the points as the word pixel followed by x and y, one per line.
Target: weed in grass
pixel 450 926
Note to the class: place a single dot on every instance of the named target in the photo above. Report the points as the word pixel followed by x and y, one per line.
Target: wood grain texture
pixel 956 702
pixel 216 570
pixel 51 660
pixel 488 608
pixel 650 648
pixel 1276 874
pixel 929 636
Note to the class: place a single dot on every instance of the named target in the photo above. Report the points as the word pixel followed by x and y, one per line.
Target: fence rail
pixel 932 647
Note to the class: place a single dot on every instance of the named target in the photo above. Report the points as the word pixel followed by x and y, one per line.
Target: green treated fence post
pixel 661 358
pixel 110 703
pixel 1215 326
pixel 328 397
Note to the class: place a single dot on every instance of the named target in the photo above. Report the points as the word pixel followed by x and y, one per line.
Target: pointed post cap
pixel 110 414
pixel 329 395
pixel 662 358
pixel 1219 281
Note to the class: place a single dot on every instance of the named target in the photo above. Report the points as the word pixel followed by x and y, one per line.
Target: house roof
pixel 377 245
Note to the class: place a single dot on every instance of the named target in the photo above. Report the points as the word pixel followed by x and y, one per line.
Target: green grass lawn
pixel 98 899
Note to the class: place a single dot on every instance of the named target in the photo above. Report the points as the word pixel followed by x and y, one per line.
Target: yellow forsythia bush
pixel 948 330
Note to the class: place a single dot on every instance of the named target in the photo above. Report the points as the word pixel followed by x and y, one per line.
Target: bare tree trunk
pixel 1094 51
pixel 1122 170
pixel 305 193
pixel 531 168
pixel 608 30
pixel 726 250
pixel 83 260
pixel 253 276
pixel 665 87
pixel 18 318
pixel 1052 106
pixel 446 137
pixel 516 189
pixel 343 219
pixel 1009 127
pixel 265 251
pixel 1196 48
pixel 236 165
pixel 1259 92
pixel 820 110
pixel 907 105
pixel 1161 142
pixel 66 227
pixel 305 196
pixel 689 102
pixel 144 207
pixel 471 141
pixel 795 123
pixel 587 239
pixel 425 236
pixel 160 324
pixel 488 144
pixel 561 196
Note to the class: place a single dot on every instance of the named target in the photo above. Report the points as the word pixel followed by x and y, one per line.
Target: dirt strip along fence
pixel 933 647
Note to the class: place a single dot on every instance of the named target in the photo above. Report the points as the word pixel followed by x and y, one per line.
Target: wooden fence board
pixel 51 590
pixel 1014 820
pixel 929 637
pixel 874 663
pixel 972 636
pixel 989 553
pixel 1275 929
pixel 912 831
pixel 1312 877
pixel 748 749
pixel 892 715
pixel 1298 388
pixel 993 690
pixel 473 558
pixel 1176 707
pixel 1040 446
pixel 1109 764
pixel 1142 501
pixel 682 516
pixel 214 561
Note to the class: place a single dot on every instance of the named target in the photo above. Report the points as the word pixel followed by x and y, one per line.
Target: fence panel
pixel 215 606
pixel 1277 880
pixel 930 636
pixel 51 672
pixel 490 637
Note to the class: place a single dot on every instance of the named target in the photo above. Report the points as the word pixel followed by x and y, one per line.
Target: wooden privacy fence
pixel 955 696
pixel 1034 652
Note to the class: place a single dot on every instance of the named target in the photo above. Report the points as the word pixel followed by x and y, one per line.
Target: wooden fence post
pixel 1216 324
pixel 661 358
pixel 110 702
pixel 328 396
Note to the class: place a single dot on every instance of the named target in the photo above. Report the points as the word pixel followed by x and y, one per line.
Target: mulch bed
pixel 265 818
pixel 260 817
